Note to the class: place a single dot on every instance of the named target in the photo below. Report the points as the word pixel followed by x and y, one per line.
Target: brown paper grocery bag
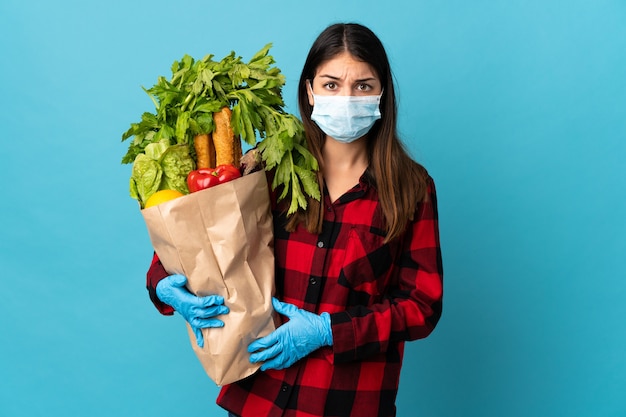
pixel 221 239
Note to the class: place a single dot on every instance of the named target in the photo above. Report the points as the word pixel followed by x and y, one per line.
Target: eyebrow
pixel 332 77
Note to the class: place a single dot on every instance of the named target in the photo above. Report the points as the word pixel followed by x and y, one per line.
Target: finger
pixel 206 323
pixel 278 362
pixel 285 309
pixel 202 303
pixel 178 280
pixel 199 337
pixel 281 361
pixel 205 313
pixel 267 354
pixel 199 303
pixel 212 300
pixel 264 342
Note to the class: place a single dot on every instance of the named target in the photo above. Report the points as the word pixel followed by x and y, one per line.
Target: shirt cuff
pixel 155 274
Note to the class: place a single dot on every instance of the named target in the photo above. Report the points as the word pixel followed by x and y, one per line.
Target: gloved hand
pixel 198 311
pixel 301 335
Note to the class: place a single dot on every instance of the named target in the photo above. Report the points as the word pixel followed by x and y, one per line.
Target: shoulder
pixel 431 189
pixel 424 181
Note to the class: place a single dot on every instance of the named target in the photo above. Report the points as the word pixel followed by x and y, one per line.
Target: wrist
pixel 160 292
pixel 165 291
pixel 327 331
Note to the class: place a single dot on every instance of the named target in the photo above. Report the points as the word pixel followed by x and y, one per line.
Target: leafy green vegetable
pixel 184 108
pixel 155 150
pixel 176 163
pixel 145 178
pixel 161 167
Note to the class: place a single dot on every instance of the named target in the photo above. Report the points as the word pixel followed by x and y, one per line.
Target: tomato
pixel 202 178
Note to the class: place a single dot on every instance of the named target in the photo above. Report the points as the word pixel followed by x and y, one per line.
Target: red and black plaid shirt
pixel 378 296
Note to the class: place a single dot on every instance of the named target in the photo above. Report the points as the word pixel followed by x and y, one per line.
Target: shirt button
pixel 284 388
pixel 320 244
pixel 313 281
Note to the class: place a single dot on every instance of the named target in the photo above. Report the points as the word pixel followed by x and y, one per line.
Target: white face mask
pixel 346 118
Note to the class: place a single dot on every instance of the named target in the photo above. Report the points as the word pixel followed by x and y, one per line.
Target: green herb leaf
pixel 184 107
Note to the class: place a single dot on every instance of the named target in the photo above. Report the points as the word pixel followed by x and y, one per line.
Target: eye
pixel 330 85
pixel 363 87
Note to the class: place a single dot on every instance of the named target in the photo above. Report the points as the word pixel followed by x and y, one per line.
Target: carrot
pixel 227 148
pixel 205 151
pixel 237 152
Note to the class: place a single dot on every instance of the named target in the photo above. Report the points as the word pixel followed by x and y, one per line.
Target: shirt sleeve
pixel 156 273
pixel 412 306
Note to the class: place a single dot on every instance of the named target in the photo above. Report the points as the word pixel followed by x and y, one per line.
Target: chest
pixel 348 263
pixel 338 185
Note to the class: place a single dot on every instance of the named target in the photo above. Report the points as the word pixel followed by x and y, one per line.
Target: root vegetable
pixel 227 148
pixel 205 151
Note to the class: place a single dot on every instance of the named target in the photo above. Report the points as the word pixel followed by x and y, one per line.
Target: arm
pixel 301 335
pixel 411 308
pixel 155 274
pixel 169 294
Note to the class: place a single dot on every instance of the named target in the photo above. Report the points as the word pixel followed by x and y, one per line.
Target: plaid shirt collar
pixel 365 182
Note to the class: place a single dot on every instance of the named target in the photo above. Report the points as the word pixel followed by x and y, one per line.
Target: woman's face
pixel 343 75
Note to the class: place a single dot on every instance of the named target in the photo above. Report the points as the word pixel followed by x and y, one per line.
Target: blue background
pixel 517 108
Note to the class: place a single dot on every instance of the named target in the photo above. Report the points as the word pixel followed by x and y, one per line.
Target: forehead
pixel 344 65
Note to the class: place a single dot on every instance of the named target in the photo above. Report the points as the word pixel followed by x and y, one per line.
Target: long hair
pixel 399 181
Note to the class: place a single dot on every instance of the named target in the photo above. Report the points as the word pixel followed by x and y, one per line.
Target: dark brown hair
pixel 400 181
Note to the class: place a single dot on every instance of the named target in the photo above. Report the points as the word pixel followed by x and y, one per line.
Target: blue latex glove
pixel 301 335
pixel 198 311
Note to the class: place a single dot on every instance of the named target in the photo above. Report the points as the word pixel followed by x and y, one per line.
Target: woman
pixel 359 272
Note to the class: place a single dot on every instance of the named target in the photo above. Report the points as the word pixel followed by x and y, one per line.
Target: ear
pixel 309 92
